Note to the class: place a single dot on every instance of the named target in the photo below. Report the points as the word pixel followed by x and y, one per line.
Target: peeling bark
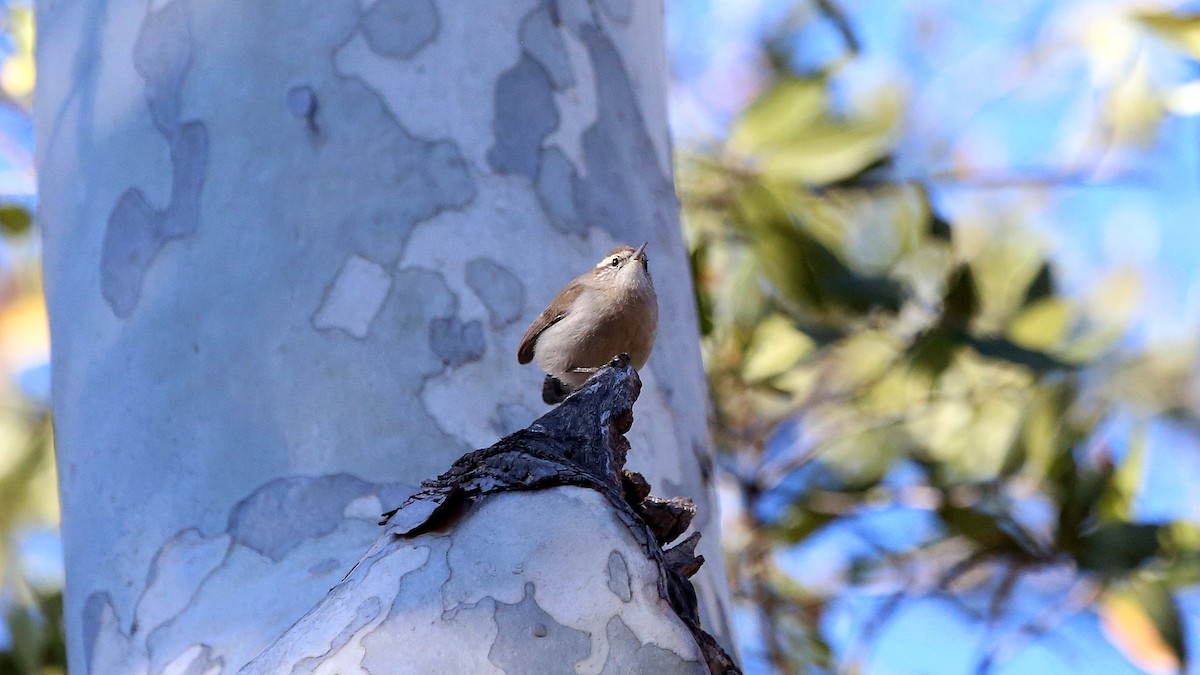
pixel 580 444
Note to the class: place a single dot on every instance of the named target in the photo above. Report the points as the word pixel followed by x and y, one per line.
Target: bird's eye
pixel 616 262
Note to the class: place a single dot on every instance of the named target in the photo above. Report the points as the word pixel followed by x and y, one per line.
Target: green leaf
pixel 27 636
pixel 792 103
pixel 15 219
pixel 1160 605
pixel 788 134
pixel 826 152
pixel 960 303
pixel 704 305
pixel 866 293
pixel 1048 441
pixel 1001 349
pixel 985 529
pixel 875 169
pixel 780 252
pixel 1041 287
pixel 799 522
pixel 933 351
pixel 1116 549
pixel 939 228
pixel 1181 30
pixel 1117 502
pixel 1078 491
pixel 1041 325
pixel 775 347
pixel 1017 454
pixel 742 300
pixel 803 268
pixel 1142 618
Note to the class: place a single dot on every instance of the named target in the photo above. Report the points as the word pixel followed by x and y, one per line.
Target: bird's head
pixel 624 266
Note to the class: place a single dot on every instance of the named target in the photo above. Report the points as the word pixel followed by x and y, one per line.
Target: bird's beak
pixel 638 253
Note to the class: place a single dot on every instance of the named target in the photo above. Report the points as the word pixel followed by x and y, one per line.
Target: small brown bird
pixel 606 311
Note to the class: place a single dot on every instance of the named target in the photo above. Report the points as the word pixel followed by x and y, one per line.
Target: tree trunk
pixel 290 248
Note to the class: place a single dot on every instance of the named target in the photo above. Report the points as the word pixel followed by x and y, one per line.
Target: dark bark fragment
pixel 580 443
pixel 667 518
pixel 682 557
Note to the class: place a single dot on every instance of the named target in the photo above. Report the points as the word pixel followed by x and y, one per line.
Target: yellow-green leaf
pixel 1117 502
pixel 775 348
pixel 789 106
pixel 825 152
pixel 1142 621
pixel 1042 325
pixel 1181 30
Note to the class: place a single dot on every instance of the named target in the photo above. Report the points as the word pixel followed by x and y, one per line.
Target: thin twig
pixel 842 23
pixel 1082 594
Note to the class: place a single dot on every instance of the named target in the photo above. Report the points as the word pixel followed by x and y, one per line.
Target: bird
pixel 608 310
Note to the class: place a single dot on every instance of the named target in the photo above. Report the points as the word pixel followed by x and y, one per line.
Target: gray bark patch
pixel 137 232
pixel 429 177
pixel 162 55
pixel 400 28
pixel 618 577
pixel 574 14
pixel 499 289
pixel 525 114
pixel 189 163
pixel 541 41
pixel 556 191
pixel 456 342
pixel 620 11
pixel 93 614
pixel 325 566
pixel 131 241
pixel 280 515
pixel 627 654
pixel 529 640
pixel 416 179
pixel 624 192
pixel 301 101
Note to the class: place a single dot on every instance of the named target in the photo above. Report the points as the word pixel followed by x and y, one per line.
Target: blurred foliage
pixel 38 636
pixel 30 603
pixel 17 74
pixel 31 606
pixel 854 335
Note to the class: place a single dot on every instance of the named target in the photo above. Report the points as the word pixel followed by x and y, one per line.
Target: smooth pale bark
pixel 290 248
pixel 508 590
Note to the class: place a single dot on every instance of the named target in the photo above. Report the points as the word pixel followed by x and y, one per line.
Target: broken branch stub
pixel 579 443
pixel 460 583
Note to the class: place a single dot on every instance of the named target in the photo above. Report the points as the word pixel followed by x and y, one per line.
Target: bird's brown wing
pixel 549 316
